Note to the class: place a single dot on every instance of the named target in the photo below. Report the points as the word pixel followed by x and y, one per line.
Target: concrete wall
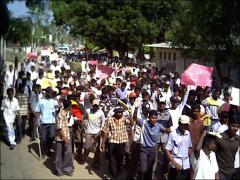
pixel 171 60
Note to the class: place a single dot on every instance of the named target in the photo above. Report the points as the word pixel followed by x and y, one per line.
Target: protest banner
pixel 75 66
pixel 235 94
pixel 103 71
pixel 197 75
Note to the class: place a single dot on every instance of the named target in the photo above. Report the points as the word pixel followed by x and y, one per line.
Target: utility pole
pixel 4 49
pixel 1 46
pixel 33 32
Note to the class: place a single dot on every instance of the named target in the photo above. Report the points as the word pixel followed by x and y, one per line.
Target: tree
pixel 40 17
pixel 19 32
pixel 209 28
pixel 114 24
pixel 4 18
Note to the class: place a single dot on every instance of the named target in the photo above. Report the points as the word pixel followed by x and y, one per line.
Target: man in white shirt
pixel 10 107
pixel 36 95
pixel 95 119
pixel 55 67
pixel 9 77
pixel 34 73
pixel 177 150
pixel 177 108
pixel 28 65
pixel 203 160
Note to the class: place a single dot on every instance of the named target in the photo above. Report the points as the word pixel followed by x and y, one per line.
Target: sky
pixel 18 8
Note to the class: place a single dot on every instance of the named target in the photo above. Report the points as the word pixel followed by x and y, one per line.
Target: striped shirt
pixel 23 104
pixel 116 129
pixel 62 123
pixel 212 107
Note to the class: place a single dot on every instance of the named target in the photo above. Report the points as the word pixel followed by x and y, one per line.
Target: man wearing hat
pixel 95 119
pixel 177 150
pixel 115 128
pixel 132 98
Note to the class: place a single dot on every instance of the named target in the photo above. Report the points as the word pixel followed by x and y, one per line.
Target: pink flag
pixel 103 71
pixel 197 75
pixel 93 62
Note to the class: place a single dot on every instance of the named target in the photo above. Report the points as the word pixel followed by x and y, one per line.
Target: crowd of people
pixel 140 117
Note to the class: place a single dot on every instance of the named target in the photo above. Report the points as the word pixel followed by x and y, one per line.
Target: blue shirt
pixel 151 133
pixel 47 110
pixel 179 145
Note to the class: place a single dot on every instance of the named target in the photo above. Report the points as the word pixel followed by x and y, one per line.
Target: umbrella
pixel 197 75
pixel 32 55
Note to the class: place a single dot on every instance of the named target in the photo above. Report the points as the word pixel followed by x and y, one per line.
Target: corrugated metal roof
pixel 160 45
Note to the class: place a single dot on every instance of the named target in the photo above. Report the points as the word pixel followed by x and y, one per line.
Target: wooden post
pixel 4 49
pixel 15 68
pixel 39 145
pixel 1 46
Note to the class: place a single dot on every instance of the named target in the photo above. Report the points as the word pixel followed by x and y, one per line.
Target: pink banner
pixel 93 62
pixel 197 75
pixel 103 71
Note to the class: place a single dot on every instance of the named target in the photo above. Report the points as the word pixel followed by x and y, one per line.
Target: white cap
pixel 184 119
pixel 96 102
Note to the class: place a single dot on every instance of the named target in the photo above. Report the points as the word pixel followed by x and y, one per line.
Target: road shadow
pixel 3 130
pixel 33 149
pixel 3 138
pixel 103 170
pixel 50 163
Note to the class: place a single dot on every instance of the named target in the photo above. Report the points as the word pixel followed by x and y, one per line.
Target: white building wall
pixel 179 64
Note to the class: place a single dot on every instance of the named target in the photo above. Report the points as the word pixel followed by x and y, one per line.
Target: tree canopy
pixel 19 31
pixel 4 18
pixel 116 24
pixel 208 27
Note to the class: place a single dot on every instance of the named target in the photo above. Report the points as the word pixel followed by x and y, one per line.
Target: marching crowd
pixel 133 115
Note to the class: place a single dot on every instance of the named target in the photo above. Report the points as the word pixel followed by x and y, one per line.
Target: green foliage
pixel 4 18
pixel 116 24
pixel 206 25
pixel 37 5
pixel 19 32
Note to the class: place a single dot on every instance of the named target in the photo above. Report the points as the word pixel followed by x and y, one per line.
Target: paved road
pixel 23 163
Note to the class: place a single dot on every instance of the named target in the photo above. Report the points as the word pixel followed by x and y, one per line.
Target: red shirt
pixel 77 112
